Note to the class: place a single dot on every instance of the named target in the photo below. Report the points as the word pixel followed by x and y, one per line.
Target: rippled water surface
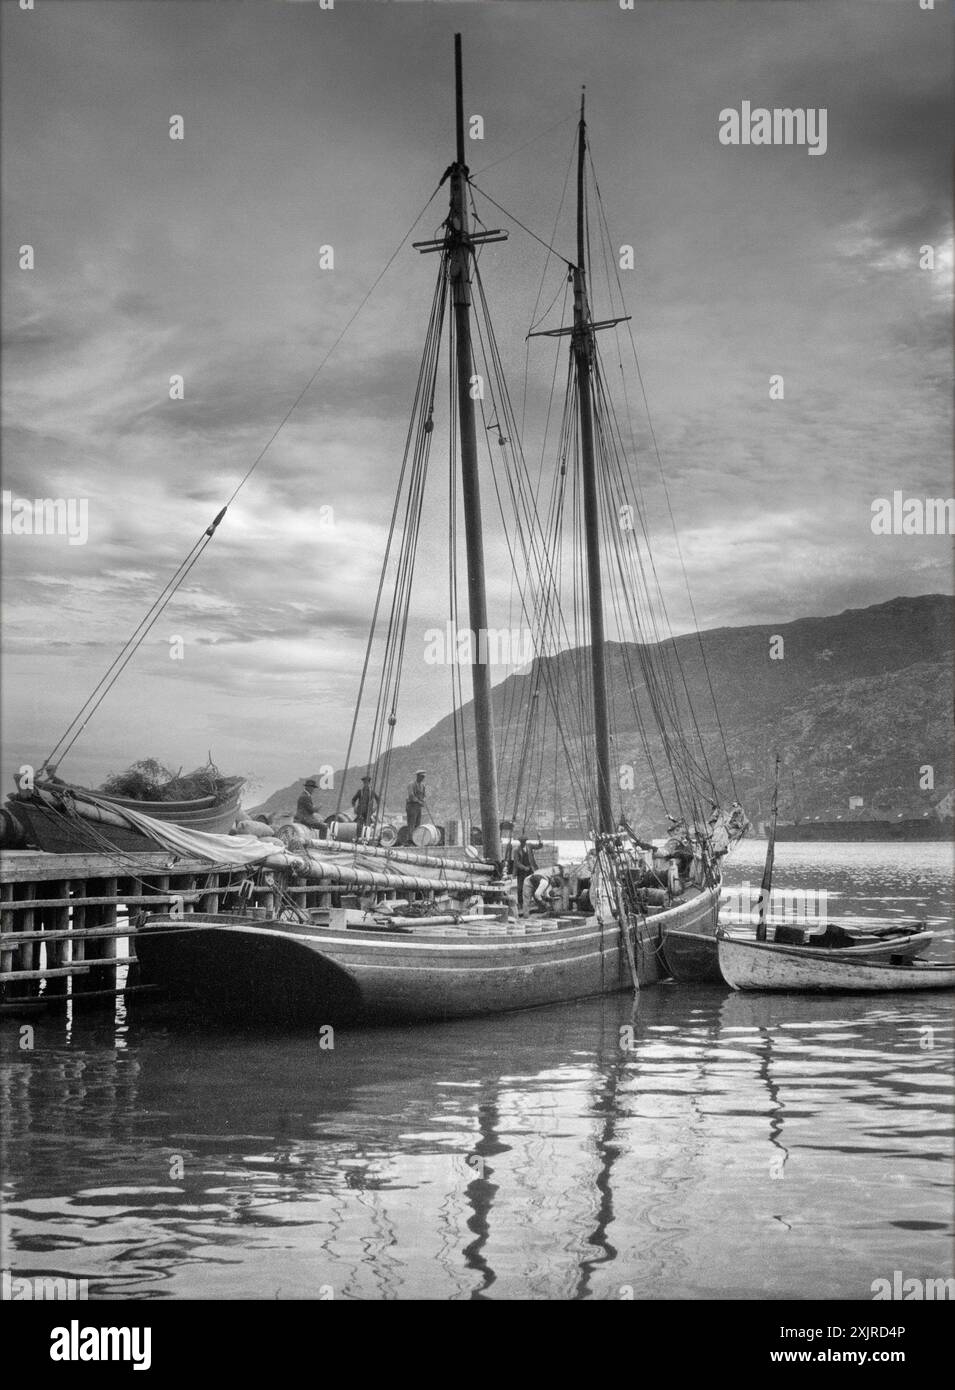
pixel 697 1144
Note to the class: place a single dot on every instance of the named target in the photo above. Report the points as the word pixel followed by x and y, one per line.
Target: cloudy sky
pixel 305 127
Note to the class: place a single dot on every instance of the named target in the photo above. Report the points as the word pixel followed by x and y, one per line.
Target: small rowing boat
pixel 693 957
pixel 768 965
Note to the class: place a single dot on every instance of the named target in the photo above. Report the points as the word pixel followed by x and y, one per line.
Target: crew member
pixel 305 812
pixel 415 802
pixel 545 889
pixel 580 880
pixel 365 805
pixel 581 899
pixel 525 863
pixel 538 887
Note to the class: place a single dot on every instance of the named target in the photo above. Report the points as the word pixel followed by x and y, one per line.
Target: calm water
pixel 743 1147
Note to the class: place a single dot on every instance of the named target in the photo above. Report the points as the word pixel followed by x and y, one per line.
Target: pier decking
pixel 66 928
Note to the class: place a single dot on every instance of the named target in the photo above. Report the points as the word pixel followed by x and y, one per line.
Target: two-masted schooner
pixel 453 945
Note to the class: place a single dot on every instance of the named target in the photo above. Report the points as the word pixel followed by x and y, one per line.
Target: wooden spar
pixel 459 251
pixel 766 887
pixel 582 348
pixel 309 863
pixel 296 834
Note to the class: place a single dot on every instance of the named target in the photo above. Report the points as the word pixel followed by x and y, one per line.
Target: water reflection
pixel 742 1146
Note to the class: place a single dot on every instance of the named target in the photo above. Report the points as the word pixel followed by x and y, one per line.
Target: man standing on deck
pixel 365 804
pixel 415 802
pixel 305 812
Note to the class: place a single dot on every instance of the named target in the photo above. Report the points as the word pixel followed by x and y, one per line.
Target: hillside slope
pixel 857 705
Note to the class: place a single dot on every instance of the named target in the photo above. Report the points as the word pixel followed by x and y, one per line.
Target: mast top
pixel 458 100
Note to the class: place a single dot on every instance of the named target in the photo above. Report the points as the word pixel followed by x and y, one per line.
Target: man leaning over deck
pixel 525 864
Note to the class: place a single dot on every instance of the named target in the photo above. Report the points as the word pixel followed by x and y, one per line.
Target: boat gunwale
pixel 231 790
pixel 457 940
pixel 874 946
pixel 316 936
pixel 837 953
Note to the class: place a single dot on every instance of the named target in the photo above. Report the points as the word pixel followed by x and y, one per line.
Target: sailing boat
pixel 461 950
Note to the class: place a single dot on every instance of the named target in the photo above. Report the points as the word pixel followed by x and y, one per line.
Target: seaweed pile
pixel 150 780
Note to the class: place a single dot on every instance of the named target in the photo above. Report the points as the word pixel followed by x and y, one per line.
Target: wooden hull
pixel 693 955
pixel 56 833
pixel 215 815
pixel 282 972
pixel 763 965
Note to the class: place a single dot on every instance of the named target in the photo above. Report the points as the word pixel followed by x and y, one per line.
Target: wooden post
pixel 26 920
pixel 59 952
pixel 186 883
pixel 108 978
pixel 209 902
pixel 162 884
pixel 7 924
pixel 78 983
pixel 88 949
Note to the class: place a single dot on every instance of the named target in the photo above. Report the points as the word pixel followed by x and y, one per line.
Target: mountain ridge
pixel 858 704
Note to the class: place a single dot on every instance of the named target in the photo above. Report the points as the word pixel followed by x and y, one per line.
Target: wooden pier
pixel 67 928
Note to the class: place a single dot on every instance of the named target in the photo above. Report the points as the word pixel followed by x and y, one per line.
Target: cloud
pixel 201 258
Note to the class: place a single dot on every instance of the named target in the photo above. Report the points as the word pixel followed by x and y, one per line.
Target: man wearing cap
pixel 415 802
pixel 305 812
pixel 365 804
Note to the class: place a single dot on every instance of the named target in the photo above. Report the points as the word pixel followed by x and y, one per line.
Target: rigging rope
pixel 523 227
pixel 666 491
pixel 132 645
pixel 636 592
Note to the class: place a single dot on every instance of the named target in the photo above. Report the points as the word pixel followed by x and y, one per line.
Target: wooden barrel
pixel 425 835
pixel 388 836
pixel 343 830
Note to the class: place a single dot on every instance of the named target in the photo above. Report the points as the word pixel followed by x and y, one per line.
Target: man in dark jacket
pixel 305 812
pixel 365 804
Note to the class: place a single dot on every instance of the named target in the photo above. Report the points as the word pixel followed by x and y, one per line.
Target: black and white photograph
pixel 477 609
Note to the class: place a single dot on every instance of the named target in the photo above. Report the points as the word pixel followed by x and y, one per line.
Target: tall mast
pixel 460 250
pixel 582 346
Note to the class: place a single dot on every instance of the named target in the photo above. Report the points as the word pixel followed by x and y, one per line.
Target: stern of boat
pixel 221 967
